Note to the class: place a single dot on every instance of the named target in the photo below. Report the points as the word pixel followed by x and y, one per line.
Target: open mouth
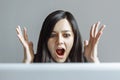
pixel 60 52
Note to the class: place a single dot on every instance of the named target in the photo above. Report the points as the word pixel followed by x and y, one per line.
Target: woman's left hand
pixel 90 47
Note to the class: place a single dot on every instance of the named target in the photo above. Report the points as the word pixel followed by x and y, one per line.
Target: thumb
pixel 85 43
pixel 31 44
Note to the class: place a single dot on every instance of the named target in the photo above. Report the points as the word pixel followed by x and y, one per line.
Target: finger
pixel 31 45
pixel 91 33
pixel 31 48
pixel 91 30
pixel 25 34
pixel 22 40
pixel 102 28
pixel 100 33
pixel 19 30
pixel 96 28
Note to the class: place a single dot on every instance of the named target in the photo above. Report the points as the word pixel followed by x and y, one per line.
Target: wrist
pixel 92 59
pixel 27 61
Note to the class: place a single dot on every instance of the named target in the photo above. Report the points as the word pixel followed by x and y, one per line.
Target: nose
pixel 60 39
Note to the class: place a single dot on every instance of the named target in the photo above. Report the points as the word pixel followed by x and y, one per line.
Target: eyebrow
pixel 64 31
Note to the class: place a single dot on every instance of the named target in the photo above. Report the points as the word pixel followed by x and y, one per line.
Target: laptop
pixel 60 71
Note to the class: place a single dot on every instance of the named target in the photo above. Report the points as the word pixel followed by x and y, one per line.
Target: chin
pixel 60 60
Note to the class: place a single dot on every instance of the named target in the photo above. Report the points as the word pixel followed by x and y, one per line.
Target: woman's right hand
pixel 27 45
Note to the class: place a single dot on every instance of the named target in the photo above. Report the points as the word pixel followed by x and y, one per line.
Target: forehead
pixel 62 25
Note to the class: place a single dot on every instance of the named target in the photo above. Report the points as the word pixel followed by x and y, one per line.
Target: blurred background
pixel 31 14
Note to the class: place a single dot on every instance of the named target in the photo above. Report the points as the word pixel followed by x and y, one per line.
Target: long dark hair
pixel 43 54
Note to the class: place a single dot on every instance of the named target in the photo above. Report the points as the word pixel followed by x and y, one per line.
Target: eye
pixel 53 35
pixel 66 35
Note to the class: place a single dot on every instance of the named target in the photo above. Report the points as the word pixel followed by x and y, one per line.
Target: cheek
pixel 50 45
pixel 69 43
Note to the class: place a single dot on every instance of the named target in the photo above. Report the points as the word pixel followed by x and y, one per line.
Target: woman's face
pixel 61 40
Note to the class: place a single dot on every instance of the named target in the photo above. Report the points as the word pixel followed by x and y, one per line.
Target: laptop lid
pixel 60 71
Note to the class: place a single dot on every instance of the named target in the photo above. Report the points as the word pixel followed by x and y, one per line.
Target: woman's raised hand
pixel 90 47
pixel 27 45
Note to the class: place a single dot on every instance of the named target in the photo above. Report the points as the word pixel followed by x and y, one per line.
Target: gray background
pixel 31 13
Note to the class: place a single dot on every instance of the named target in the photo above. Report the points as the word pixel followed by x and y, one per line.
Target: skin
pixel 27 45
pixel 61 37
pixel 90 46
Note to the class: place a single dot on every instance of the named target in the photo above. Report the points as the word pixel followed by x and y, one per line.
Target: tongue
pixel 60 51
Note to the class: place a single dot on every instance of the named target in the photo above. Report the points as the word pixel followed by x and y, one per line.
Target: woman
pixel 60 41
